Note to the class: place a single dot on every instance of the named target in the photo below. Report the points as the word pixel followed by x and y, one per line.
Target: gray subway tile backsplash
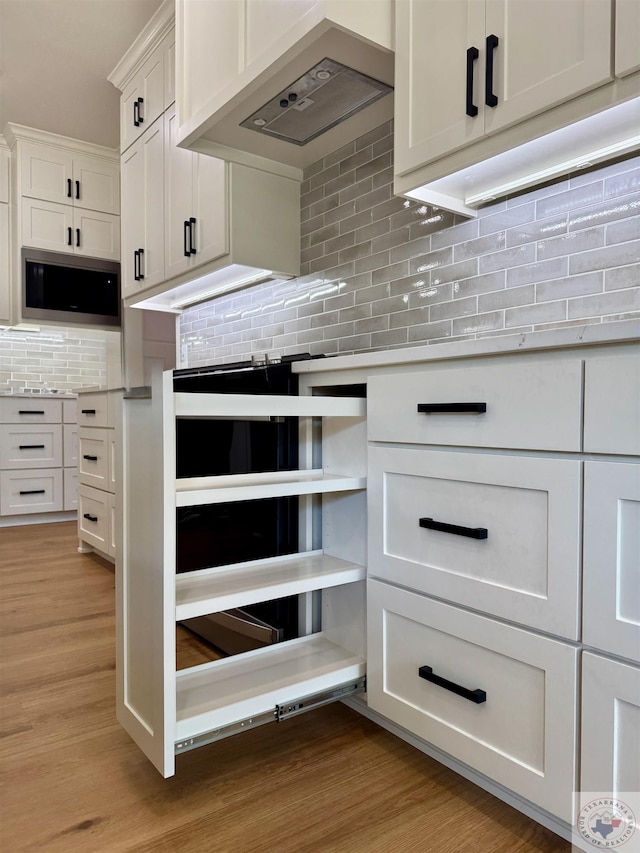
pixel 379 271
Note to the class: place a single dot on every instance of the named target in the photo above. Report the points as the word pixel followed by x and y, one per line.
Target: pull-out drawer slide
pixel 280 712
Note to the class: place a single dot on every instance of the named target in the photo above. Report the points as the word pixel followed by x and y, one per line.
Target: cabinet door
pixel 98 184
pixel 610 726
pixel 612 404
pixel 611 561
pixel 178 183
pixel 627 44
pixel 132 214
pixel 96 235
pixel 46 173
pixel 432 39
pixel 211 197
pixel 548 52
pixel 5 282
pixel 46 225
pixel 143 99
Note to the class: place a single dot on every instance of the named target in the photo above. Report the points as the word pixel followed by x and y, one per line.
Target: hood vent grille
pixel 323 97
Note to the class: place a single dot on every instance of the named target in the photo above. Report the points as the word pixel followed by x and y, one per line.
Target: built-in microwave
pixel 70 289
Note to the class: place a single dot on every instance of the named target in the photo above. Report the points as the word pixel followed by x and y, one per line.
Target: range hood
pixel 332 86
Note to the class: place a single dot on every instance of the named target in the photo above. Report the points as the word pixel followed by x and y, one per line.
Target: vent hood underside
pixel 350 106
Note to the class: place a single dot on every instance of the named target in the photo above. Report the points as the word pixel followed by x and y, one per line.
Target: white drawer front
pixel 31 446
pixel 70 440
pixel 611 561
pixel 527 568
pixel 610 726
pixel 534 406
pixel 93 410
pixel 523 736
pixel 70 411
pixel 93 457
pixel 612 404
pixel 30 410
pixel 34 490
pixel 93 517
pixel 70 488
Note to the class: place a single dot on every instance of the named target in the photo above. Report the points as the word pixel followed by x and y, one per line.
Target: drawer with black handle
pixel 94 447
pixel 94 517
pixel 31 490
pixel 500 699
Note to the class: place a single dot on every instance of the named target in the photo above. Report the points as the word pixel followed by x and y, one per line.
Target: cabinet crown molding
pixel 161 22
pixel 15 133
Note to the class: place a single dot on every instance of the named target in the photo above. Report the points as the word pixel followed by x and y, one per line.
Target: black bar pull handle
pixel 90 517
pixel 69 236
pixel 472 55
pixel 77 189
pixel 185 237
pixel 443 527
pixel 136 114
pixel 90 458
pixel 452 408
pixel 87 411
pixel 31 447
pixel 140 115
pixel 32 491
pixel 136 259
pixel 140 256
pixel 490 99
pixel 192 236
pixel 31 411
pixel 478 696
pixel 77 236
pixel 68 187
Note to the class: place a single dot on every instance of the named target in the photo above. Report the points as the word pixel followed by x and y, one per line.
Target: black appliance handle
pixel 456 529
pixel 185 237
pixel 32 491
pixel 490 99
pixel 140 273
pixel 77 237
pixel 452 408
pixel 472 54
pixel 87 411
pixel 31 411
pixel 90 458
pixel 192 236
pixel 478 696
pixel 69 236
pixel 68 187
pixel 31 447
pixel 77 189
pixel 90 517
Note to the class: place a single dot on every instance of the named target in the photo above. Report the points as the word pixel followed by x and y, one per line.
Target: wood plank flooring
pixel 71 780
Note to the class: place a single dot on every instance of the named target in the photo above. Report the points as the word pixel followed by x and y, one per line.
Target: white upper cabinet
pixel 627 37
pixel 5 158
pixel 58 175
pixel 142 100
pixel 60 228
pixel 466 68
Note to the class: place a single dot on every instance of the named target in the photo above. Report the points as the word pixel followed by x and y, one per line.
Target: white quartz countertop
pixel 37 395
pixel 579 335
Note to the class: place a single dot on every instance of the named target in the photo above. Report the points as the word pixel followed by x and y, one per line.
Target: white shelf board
pixel 237 688
pixel 194 491
pixel 226 587
pixel 265 405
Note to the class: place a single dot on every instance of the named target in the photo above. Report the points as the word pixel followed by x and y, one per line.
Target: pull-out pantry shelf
pixel 237 689
pixel 213 590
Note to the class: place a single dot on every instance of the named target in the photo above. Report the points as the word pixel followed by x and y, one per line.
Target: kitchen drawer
pixel 531 405
pixel 93 517
pixel 30 410
pixel 30 491
pixel 70 411
pixel 93 457
pixel 612 404
pixel 611 559
pixel 30 446
pixel 70 442
pixel 93 409
pixel 526 570
pixel 523 735
pixel 70 488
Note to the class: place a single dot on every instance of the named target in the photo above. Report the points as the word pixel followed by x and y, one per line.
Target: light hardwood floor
pixel 326 782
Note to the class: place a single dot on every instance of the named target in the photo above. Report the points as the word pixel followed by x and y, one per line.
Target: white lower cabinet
pixel 70 478
pixel 94 517
pixel 32 490
pixel 498 698
pixel 610 725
